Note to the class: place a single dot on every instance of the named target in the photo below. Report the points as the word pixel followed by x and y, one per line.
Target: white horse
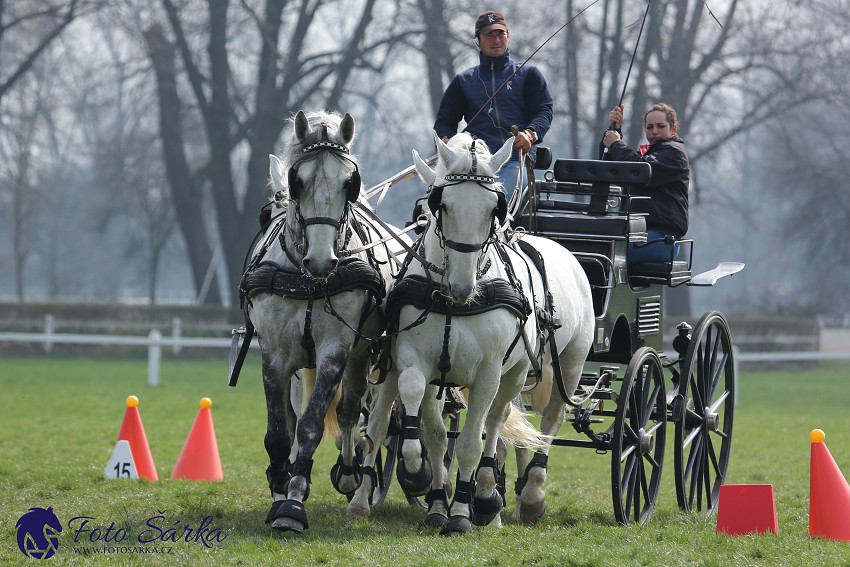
pixel 464 318
pixel 314 288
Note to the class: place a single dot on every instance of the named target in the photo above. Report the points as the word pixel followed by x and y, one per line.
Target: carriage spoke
pixel 713 457
pixel 651 460
pixel 694 464
pixel 695 433
pixel 719 401
pixel 627 452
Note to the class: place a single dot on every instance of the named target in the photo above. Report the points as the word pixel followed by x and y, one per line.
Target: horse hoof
pixel 457 526
pixel 289 516
pixel 288 525
pixel 435 520
pixel 358 511
pixel 530 514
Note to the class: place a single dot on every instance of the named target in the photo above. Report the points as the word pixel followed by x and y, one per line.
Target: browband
pixel 470 177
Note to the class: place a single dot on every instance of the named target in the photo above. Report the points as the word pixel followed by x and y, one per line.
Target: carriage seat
pixel 671 274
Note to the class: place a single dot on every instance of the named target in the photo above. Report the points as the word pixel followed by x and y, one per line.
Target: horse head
pixel 467 202
pixel 321 177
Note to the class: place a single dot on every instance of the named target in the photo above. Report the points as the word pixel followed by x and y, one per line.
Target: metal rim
pixel 704 410
pixel 639 438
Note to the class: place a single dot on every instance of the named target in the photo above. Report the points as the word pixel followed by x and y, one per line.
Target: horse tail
pixel 332 430
pixel 520 433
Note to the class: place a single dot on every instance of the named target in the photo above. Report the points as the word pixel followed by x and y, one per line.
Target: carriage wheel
pixel 638 440
pixel 703 412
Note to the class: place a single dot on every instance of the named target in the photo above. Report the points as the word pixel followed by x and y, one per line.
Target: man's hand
pixel 524 140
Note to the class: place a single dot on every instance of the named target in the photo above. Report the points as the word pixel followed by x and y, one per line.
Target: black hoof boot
pixel 485 508
pixel 288 516
pixel 340 470
pixel 457 526
pixel 414 484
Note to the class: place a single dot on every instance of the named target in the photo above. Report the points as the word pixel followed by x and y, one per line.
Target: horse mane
pixel 292 151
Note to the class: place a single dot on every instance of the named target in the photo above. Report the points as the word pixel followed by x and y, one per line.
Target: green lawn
pixel 59 418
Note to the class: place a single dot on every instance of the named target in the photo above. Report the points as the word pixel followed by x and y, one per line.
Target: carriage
pixel 557 272
pixel 631 387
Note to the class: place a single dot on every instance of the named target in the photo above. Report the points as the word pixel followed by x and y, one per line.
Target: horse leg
pixel 468 450
pixel 360 505
pixel 533 493
pixel 436 443
pixel 530 487
pixel 280 428
pixel 292 514
pixel 489 478
pixel 413 470
pixel 346 475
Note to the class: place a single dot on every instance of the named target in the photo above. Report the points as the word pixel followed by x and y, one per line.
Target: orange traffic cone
pixel 199 458
pixel 133 432
pixel 829 494
pixel 746 508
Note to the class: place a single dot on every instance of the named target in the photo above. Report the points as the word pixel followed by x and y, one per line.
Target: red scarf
pixel 643 148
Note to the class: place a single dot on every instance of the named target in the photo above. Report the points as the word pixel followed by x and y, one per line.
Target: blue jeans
pixel 655 252
pixel 507 176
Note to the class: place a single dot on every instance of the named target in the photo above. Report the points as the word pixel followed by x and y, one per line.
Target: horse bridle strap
pixel 320 220
pixel 464 177
pixel 325 144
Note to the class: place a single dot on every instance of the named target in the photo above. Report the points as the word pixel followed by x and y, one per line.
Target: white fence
pixel 155 342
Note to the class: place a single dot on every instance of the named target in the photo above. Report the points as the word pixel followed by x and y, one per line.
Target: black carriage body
pixel 584 206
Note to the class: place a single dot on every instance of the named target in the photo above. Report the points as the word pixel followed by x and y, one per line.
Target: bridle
pixel 315 151
pixel 486 182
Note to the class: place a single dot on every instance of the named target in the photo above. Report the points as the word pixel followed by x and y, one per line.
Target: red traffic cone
pixel 133 432
pixel 746 508
pixel 199 458
pixel 829 494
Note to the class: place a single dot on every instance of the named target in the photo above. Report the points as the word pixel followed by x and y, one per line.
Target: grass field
pixel 59 418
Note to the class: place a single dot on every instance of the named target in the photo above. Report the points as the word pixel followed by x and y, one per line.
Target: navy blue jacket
pixel 524 102
pixel 667 206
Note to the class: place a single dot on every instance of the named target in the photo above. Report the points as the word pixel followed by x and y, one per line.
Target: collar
pixel 499 63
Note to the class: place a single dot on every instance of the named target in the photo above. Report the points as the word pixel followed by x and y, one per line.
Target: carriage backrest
pixel 601 176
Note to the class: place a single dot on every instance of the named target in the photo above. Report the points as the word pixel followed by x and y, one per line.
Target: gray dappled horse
pixel 314 288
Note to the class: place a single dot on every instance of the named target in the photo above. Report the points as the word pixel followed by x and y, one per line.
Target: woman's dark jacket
pixel 667 206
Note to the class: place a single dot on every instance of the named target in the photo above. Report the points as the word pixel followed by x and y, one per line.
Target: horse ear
pixel 302 126
pixel 445 153
pixel 346 129
pixel 502 156
pixel 276 172
pixel 423 169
